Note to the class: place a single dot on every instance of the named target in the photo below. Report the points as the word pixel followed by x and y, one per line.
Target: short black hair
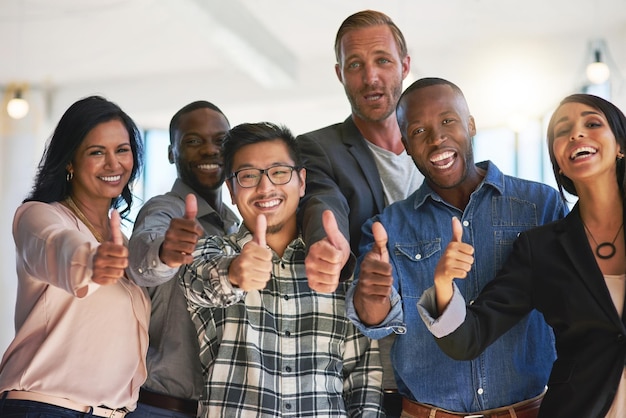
pixel 198 104
pixel 253 133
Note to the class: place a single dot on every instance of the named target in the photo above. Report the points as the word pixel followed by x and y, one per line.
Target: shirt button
pixel 418 256
pixel 465 223
pixel 287 406
pixel 480 391
pixel 286 297
pixel 140 271
pixel 287 333
pixel 288 369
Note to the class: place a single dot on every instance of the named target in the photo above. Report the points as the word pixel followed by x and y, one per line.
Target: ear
pixel 406 145
pixel 302 177
pixel 338 72
pixel 406 66
pixel 170 154
pixel 229 184
pixel 472 126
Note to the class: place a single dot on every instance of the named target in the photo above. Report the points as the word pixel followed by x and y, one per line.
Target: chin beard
pixel 274 229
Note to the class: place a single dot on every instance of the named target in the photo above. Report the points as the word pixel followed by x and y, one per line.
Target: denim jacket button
pixel 418 256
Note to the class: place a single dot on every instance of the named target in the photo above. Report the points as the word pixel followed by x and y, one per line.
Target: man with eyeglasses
pixel 270 345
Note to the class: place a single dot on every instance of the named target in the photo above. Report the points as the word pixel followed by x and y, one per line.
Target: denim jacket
pixel 516 367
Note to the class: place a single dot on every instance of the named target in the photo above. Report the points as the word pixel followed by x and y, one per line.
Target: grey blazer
pixel 341 176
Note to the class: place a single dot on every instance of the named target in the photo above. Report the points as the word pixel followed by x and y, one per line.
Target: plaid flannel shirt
pixel 283 351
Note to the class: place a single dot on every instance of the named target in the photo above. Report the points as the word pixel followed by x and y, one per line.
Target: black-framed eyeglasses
pixel 251 177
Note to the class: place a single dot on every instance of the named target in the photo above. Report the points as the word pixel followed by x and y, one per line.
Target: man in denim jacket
pixel 401 247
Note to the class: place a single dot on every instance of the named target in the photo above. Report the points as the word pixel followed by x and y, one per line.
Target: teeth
pixel 442 156
pixel 208 166
pixel 111 178
pixel 269 204
pixel 578 152
pixel 374 97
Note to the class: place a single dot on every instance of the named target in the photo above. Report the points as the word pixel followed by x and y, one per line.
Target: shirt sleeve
pixel 394 322
pixel 451 318
pixel 363 376
pixel 145 266
pixel 205 281
pixel 52 249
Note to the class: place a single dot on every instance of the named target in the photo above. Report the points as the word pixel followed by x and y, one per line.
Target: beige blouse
pixel 90 350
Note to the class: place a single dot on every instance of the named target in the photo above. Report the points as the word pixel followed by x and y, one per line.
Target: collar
pixel 493 178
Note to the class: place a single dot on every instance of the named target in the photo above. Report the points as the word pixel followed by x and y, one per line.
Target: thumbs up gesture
pixel 327 257
pixel 111 256
pixel 181 236
pixel 455 262
pixel 252 269
pixel 371 297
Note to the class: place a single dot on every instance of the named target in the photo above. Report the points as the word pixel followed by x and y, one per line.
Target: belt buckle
pixel 117 413
pixel 474 416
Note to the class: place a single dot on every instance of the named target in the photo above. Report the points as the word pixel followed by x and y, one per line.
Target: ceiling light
pixel 598 71
pixel 17 107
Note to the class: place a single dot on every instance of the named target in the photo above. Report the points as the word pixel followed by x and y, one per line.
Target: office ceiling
pixel 273 59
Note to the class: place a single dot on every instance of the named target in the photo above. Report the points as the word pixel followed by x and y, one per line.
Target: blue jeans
pixel 148 411
pixel 14 408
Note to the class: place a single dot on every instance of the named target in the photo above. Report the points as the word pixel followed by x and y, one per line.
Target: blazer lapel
pixel 574 241
pixel 360 151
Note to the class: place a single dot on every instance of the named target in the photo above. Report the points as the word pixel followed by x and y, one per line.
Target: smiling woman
pixel 73 291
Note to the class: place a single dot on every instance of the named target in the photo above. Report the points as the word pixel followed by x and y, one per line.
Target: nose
pixel 265 183
pixel 437 137
pixel 111 160
pixel 576 134
pixel 210 148
pixel 370 74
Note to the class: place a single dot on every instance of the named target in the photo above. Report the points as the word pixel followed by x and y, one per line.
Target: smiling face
pixel 197 149
pixel 371 71
pixel 584 145
pixel 437 132
pixel 277 202
pixel 103 163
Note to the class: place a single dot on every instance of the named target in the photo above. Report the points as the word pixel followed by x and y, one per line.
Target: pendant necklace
pixel 608 248
pixel 69 202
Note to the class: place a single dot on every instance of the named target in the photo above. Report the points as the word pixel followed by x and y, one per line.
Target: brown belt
pixel 524 409
pixel 99 411
pixel 171 403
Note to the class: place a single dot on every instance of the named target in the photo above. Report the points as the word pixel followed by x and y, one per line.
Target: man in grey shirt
pixel 165 234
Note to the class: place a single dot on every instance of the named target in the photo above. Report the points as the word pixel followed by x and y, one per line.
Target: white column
pixel 21 146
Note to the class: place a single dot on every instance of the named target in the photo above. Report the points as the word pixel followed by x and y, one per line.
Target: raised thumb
pixel 116 228
pixel 457 230
pixel 260 230
pixel 191 206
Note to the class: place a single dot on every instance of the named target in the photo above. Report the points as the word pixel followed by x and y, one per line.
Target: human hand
pixel 252 269
pixel 371 296
pixel 327 257
pixel 181 236
pixel 455 262
pixel 111 256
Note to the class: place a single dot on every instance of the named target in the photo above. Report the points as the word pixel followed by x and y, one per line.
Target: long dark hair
pixel 77 121
pixel 617 124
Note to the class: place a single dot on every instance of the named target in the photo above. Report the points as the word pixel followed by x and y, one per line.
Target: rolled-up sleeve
pixel 451 318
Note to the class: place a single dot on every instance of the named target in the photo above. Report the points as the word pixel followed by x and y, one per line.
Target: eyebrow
pixel 585 113
pixel 274 164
